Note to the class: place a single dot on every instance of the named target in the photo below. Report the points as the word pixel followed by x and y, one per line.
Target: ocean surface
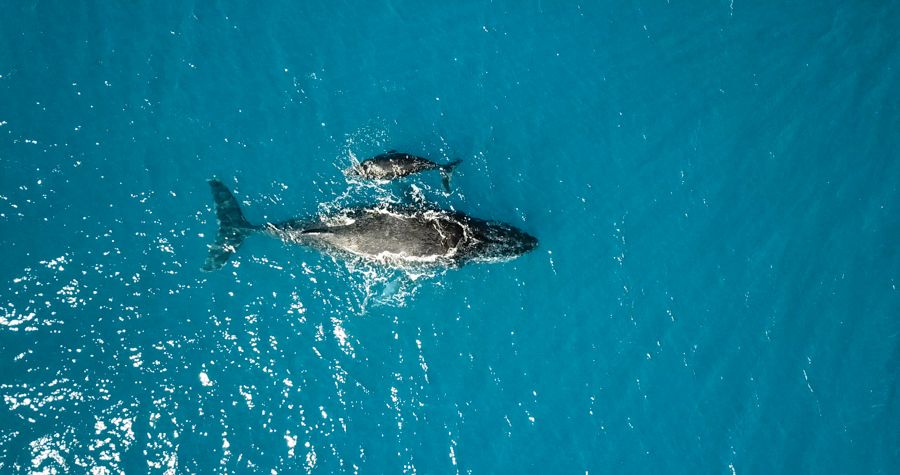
pixel 714 186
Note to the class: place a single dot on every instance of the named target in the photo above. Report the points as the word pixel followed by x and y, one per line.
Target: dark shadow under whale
pixel 391 235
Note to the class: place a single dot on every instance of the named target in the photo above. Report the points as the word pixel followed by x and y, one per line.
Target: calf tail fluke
pixel 233 227
pixel 446 172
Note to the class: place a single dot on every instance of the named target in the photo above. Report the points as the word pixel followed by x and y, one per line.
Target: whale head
pixel 499 241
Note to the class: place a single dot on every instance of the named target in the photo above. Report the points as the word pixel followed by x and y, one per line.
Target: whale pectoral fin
pixel 413 195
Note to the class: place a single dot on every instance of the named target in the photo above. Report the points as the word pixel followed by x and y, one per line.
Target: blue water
pixel 714 186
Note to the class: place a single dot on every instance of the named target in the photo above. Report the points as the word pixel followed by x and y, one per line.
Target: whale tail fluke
pixel 233 227
pixel 446 172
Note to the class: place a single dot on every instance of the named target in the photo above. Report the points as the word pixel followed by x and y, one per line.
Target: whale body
pixel 391 235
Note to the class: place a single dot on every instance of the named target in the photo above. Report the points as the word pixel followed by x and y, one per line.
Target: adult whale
pixel 391 235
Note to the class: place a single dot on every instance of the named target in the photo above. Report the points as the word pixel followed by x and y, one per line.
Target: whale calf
pixel 391 235
pixel 393 164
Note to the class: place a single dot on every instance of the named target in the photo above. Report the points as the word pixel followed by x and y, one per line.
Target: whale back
pixel 391 234
pixel 393 165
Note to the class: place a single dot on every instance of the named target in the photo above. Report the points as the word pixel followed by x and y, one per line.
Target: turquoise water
pixel 714 185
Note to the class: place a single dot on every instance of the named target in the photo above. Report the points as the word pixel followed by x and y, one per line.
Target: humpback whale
pixel 391 235
pixel 393 164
